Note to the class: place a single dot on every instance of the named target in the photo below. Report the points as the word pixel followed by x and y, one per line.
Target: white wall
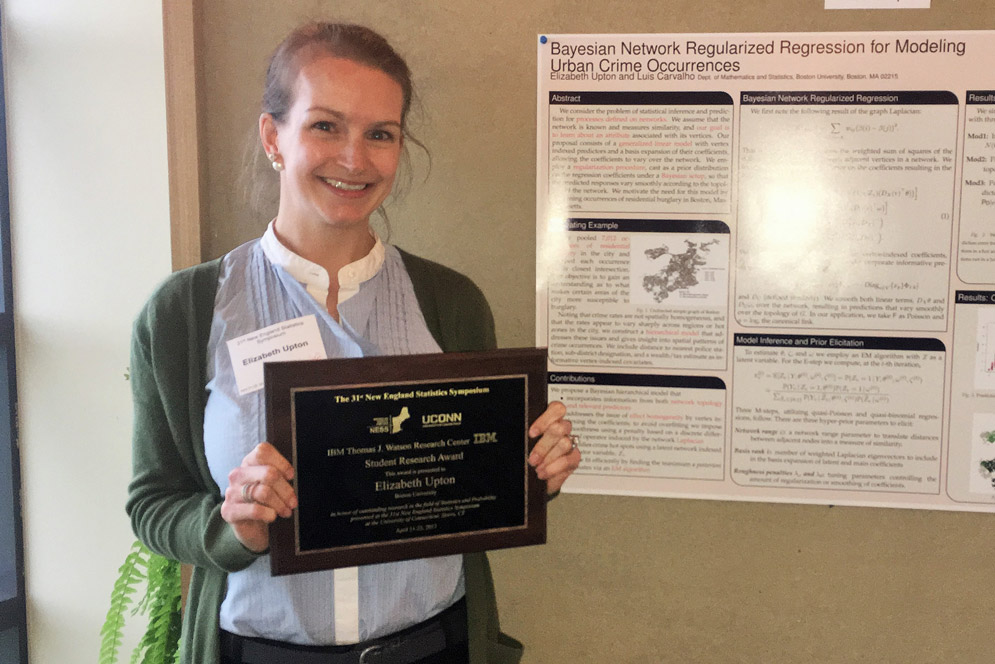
pixel 90 236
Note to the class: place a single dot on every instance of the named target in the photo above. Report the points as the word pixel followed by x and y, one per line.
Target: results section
pixel 976 263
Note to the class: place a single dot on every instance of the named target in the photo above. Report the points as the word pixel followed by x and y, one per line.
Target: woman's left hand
pixel 554 456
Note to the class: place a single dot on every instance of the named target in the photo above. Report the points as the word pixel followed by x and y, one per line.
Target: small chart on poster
pixel 766 263
pixel 984 377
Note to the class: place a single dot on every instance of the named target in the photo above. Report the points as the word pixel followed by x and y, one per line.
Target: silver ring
pixel 373 650
pixel 247 490
pixel 574 442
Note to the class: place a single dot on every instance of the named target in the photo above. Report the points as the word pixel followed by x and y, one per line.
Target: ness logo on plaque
pixel 406 457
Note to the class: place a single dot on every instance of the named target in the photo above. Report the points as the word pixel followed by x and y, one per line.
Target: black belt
pixel 434 636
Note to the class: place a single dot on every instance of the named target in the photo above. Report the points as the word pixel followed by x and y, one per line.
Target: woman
pixel 204 489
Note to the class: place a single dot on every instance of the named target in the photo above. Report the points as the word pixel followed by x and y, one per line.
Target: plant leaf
pixel 130 574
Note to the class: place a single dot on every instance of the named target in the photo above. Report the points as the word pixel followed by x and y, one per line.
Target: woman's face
pixel 340 143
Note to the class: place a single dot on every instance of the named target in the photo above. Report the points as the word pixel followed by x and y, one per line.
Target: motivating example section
pixel 766 263
pixel 641 293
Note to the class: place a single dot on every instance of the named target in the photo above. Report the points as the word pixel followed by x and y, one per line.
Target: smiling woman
pixel 351 43
pixel 334 127
pixel 337 149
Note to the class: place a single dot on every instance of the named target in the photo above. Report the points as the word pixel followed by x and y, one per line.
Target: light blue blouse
pixel 381 318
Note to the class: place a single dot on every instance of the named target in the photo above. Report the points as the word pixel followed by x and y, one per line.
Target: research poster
pixel 766 264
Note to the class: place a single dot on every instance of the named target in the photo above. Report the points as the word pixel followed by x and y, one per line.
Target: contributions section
pixel 641 293
pixel 641 151
pixel 845 205
pixel 838 413
pixel 646 426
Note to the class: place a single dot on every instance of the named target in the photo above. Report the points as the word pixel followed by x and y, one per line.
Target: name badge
pixel 297 339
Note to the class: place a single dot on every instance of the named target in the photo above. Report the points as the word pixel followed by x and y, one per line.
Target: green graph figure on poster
pixel 987 470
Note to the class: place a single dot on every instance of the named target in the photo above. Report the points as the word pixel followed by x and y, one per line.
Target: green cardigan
pixel 173 502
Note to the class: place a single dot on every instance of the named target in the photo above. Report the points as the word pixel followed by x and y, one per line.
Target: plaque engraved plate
pixel 406 457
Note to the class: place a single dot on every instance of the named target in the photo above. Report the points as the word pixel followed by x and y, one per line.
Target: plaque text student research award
pixel 406 457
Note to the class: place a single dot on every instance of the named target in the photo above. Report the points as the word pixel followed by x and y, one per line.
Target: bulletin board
pixel 623 578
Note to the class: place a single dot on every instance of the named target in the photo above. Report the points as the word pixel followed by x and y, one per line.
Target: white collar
pixel 313 276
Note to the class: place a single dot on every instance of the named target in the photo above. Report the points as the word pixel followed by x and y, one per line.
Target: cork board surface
pixel 622 579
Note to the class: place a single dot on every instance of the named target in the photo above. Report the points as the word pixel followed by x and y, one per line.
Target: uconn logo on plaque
pixel 441 420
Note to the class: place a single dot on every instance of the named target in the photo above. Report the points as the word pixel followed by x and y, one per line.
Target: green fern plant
pixel 160 602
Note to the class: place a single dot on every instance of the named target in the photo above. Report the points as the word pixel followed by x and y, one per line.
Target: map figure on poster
pixel 681 271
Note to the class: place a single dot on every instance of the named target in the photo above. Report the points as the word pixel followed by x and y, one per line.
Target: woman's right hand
pixel 258 492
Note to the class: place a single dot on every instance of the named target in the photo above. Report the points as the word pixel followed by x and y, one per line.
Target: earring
pixel 275 163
